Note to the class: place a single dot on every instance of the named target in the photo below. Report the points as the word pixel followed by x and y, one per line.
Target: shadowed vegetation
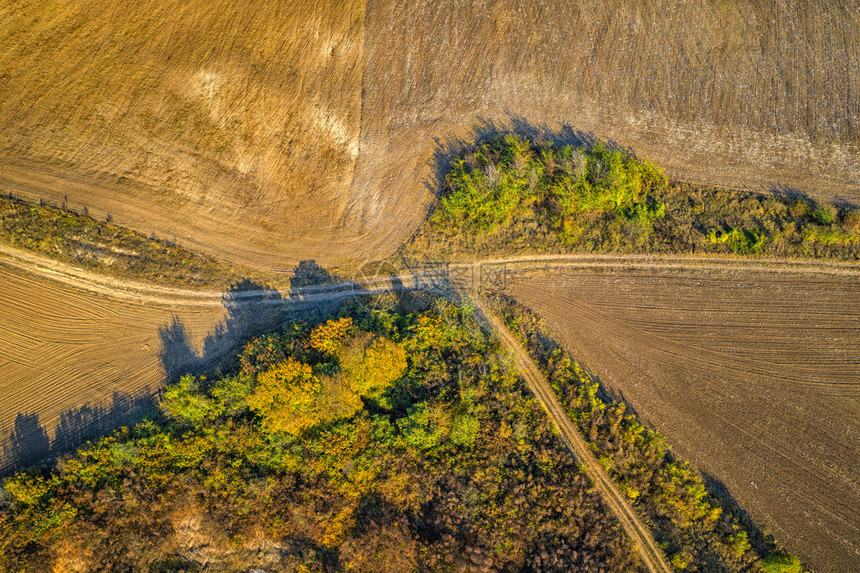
pixel 698 530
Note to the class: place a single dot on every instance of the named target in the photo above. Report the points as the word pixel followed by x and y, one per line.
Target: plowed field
pixel 77 359
pixel 752 375
pixel 267 133
pixel 66 353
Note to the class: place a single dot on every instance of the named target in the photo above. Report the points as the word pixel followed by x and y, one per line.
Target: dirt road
pixel 651 555
pixel 268 133
pixel 78 348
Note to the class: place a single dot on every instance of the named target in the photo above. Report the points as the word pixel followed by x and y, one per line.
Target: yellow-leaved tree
pixel 290 398
pixel 287 398
pixel 329 337
pixel 371 363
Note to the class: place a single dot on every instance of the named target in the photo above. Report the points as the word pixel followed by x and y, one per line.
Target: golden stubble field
pixel 753 376
pixel 229 126
pixel 266 133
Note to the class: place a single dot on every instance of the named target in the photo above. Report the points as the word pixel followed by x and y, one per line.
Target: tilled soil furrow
pixel 760 391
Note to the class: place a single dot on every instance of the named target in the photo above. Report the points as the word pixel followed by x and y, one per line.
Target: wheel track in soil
pixel 142 293
pixel 155 294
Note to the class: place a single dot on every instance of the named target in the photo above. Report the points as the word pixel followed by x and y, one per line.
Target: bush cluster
pixel 509 196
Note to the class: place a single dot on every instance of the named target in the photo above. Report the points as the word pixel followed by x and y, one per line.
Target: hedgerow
pixel 510 195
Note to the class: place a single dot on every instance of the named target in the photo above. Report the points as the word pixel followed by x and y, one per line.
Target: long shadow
pixel 251 309
pixel 761 542
pixel 29 443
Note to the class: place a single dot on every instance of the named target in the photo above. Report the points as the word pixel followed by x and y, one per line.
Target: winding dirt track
pixel 753 375
pixel 647 548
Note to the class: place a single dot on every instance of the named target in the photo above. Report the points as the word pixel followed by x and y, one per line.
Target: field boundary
pixel 427 276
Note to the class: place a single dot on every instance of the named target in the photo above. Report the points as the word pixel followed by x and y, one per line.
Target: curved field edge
pixel 699 524
pixel 101 246
pixel 282 132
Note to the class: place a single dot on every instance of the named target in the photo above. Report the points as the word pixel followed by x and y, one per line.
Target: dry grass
pixel 110 249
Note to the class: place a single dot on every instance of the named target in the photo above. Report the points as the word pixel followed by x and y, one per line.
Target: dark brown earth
pixel 753 376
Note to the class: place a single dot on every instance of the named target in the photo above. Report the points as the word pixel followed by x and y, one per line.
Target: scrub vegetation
pixel 102 246
pixel 374 441
pixel 510 195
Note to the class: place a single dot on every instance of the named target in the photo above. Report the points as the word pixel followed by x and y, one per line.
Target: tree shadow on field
pixel 251 309
pixel 786 192
pixel 29 443
pixel 763 544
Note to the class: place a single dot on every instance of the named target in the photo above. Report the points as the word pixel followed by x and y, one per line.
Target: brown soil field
pixel 266 133
pixel 233 127
pixel 81 353
pixel 73 359
pixel 752 375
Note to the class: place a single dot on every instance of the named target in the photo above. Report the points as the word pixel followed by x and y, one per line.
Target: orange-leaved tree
pixel 328 337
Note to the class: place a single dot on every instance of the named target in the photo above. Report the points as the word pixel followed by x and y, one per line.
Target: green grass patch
pixel 782 563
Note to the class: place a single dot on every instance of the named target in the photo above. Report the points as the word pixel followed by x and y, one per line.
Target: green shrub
pixel 739 543
pixel 781 563
pixel 509 196
pixel 739 241
pixel 509 177
pixel 184 403
pixel 464 430
pixel 828 235
pixel 824 215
